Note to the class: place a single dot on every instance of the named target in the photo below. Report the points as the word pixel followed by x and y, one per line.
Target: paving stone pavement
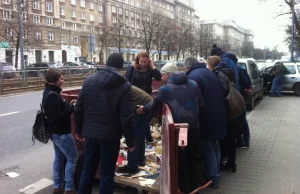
pixel 272 164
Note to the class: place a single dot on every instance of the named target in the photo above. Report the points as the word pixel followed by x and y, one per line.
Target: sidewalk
pixel 272 164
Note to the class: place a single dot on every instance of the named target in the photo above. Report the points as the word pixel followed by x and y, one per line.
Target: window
pixel 49 7
pixel 138 34
pixel 51 36
pixel 73 14
pixel 83 15
pixel 100 8
pixel 83 27
pixel 132 24
pixel 49 21
pixel 139 44
pixel 92 29
pixel 127 22
pixel 132 14
pixel 9 32
pixel 254 72
pixel 63 24
pixel 298 68
pixel 62 11
pixel 291 69
pixel 92 17
pixel 126 1
pixel 74 26
pixel 24 17
pixel 137 16
pixel 132 33
pixel 120 11
pixel 127 13
pixel 73 2
pixel 127 32
pixel 63 38
pixel 100 19
pixel 25 34
pixel 38 35
pixel 62 0
pixel 37 19
pixel 36 4
pixel 113 9
pixel 137 26
pixel 91 5
pixel 114 20
pixel 128 43
pixel 75 39
pixel 6 1
pixel 82 3
pixel 101 31
pixel 6 14
pixel 132 2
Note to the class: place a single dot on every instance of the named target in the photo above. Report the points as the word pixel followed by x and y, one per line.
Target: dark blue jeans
pixel 244 139
pixel 64 147
pixel 211 155
pixel 277 84
pixel 140 124
pixel 107 152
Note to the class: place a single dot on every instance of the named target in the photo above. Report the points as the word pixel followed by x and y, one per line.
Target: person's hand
pixel 131 149
pixel 140 110
pixel 151 64
pixel 80 138
pixel 154 121
pixel 73 102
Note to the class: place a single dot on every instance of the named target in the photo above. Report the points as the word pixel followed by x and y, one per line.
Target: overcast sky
pixel 251 14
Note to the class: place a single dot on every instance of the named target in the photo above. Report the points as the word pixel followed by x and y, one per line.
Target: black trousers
pixel 187 165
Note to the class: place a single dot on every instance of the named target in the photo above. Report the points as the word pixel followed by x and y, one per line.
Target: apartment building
pixel 228 34
pixel 62 27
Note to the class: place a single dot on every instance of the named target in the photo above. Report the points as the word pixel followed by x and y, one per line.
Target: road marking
pixel 10 113
pixel 37 186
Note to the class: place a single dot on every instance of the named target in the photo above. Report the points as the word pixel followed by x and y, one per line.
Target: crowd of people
pixel 111 105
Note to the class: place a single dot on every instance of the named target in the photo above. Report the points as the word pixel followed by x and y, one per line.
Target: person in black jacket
pixel 140 75
pixel 59 125
pixel 104 112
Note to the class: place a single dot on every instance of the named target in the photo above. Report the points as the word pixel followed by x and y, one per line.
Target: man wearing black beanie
pixel 103 113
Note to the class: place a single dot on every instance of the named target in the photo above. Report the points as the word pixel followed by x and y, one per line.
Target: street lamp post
pixel 293 31
pixel 21 42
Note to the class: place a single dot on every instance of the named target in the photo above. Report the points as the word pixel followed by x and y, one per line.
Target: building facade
pixel 228 35
pixel 63 27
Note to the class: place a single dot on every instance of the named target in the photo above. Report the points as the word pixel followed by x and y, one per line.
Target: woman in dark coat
pixel 58 123
pixel 141 74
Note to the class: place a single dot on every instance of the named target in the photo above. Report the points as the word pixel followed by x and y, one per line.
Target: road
pixel 18 154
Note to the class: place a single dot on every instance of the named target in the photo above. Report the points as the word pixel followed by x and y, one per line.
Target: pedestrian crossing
pixel 37 186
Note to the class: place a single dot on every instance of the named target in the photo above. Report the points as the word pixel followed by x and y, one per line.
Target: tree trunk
pixel 159 55
pixel 17 57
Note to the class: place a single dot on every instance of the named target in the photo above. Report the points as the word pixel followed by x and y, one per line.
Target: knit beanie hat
pixel 216 51
pixel 115 60
pixel 170 67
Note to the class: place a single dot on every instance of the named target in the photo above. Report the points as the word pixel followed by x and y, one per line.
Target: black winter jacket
pixel 141 79
pixel 57 111
pixel 104 107
pixel 224 77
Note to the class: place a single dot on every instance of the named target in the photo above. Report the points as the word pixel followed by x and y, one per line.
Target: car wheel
pixel 251 105
pixel 79 169
pixel 297 89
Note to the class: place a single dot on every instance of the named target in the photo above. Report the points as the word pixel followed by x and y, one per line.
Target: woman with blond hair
pixel 141 73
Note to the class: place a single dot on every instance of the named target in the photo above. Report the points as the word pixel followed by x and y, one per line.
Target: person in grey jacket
pixel 278 70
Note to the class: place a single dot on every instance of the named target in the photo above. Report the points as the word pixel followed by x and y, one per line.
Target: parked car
pixel 74 68
pixel 126 64
pixel 256 91
pixel 291 78
pixel 40 69
pixel 159 64
pixel 7 70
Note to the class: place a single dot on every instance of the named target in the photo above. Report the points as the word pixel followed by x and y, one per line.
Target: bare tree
pixel 10 30
pixel 206 39
pixel 102 40
pixel 150 25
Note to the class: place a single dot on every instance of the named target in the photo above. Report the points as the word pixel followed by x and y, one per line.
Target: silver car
pixel 292 79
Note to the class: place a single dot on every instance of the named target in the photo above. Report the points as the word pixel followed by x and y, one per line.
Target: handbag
pixel 235 101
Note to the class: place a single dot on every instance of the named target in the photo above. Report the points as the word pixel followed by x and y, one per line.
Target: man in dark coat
pixel 278 70
pixel 212 116
pixel 103 113
pixel 183 98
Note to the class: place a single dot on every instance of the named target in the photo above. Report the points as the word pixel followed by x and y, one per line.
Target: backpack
pixel 39 128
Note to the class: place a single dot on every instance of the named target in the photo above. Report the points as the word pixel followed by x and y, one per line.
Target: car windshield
pixel 52 65
pixel 243 65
